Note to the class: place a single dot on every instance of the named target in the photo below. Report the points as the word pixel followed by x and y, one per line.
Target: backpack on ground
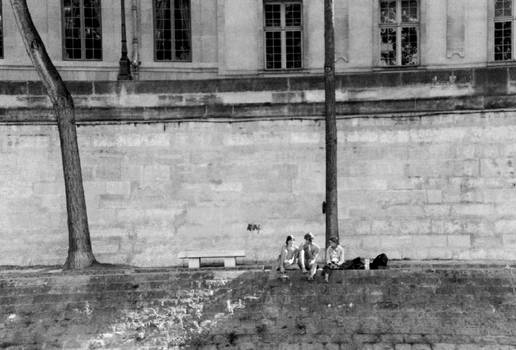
pixel 380 262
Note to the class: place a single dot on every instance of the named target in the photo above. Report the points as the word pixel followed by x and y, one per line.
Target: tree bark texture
pixel 80 254
pixel 332 217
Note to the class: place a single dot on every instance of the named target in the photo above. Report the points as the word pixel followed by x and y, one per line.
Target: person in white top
pixel 288 256
pixel 334 258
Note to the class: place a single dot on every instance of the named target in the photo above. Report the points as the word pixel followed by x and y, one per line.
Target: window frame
pixel 1 30
pixel 283 29
pixel 399 26
pixel 154 30
pixel 491 36
pixel 83 36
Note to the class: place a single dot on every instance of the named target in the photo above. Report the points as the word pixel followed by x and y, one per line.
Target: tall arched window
pixel 82 39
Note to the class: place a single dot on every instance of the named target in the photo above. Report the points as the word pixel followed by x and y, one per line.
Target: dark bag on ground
pixel 355 264
pixel 380 262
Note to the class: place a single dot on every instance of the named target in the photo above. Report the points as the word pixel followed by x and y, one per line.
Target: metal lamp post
pixel 124 70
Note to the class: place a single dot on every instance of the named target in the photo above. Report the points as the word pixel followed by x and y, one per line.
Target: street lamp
pixel 124 70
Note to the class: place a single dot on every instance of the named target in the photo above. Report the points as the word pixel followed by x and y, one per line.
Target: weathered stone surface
pixel 420 307
pixel 435 186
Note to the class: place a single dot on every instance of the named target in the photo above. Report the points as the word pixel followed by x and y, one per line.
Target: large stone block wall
pixel 430 307
pixel 435 186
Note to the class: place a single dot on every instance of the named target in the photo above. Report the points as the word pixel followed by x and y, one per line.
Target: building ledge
pixel 386 93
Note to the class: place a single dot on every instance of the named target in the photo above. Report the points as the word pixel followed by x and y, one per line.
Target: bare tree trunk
pixel 80 254
pixel 332 216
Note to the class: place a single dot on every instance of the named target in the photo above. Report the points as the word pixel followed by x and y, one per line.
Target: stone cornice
pixel 400 92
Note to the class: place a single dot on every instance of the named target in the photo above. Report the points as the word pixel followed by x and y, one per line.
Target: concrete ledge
pixel 250 112
pixel 372 93
pixel 7 271
pixel 488 79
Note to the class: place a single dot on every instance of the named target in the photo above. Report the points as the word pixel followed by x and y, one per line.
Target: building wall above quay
pixel 191 153
pixel 358 94
pixel 426 166
pixel 229 38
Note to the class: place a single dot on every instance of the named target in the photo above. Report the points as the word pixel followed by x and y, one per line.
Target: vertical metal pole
pixel 124 70
pixel 332 217
pixel 135 61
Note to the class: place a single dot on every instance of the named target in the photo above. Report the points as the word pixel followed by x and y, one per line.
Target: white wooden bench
pixel 194 256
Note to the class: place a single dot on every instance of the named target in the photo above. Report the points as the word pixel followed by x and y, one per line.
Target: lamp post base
pixel 124 71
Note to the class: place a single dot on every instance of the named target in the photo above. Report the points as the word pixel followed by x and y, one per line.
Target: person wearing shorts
pixel 308 254
pixel 288 257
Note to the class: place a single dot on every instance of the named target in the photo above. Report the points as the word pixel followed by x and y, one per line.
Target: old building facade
pixel 196 39
pixel 221 131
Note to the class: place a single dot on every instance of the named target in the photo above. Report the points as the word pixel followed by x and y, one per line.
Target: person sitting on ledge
pixel 288 256
pixel 308 254
pixel 334 258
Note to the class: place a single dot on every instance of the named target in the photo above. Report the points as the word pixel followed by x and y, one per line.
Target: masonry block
pixel 371 242
pixel 507 209
pixel 505 226
pixel 499 196
pixel 437 210
pixel 459 241
pixel 487 242
pixel 433 241
pixel 388 227
pixel 434 196
pixel 444 346
pixel 436 135
pixel 485 210
pixel 155 173
pixel 509 240
pixel 440 226
pixel 402 347
pixel 468 347
pixel 306 137
pixel 421 347
pixel 118 187
pixel 310 346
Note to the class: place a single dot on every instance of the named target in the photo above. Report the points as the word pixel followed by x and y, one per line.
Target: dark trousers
pixel 328 268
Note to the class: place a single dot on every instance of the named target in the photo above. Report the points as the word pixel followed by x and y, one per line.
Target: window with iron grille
pixel 503 28
pixel 399 32
pixel 172 30
pixel 82 39
pixel 283 34
pixel 1 31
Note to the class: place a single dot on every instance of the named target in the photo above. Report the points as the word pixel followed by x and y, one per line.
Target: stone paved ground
pixel 412 306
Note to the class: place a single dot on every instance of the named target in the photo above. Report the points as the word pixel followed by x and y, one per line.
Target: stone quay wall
pixel 426 307
pixel 426 167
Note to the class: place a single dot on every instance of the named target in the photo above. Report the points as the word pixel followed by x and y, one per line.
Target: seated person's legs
pixel 313 270
pixel 289 266
pixel 280 266
pixel 302 260
pixel 327 271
